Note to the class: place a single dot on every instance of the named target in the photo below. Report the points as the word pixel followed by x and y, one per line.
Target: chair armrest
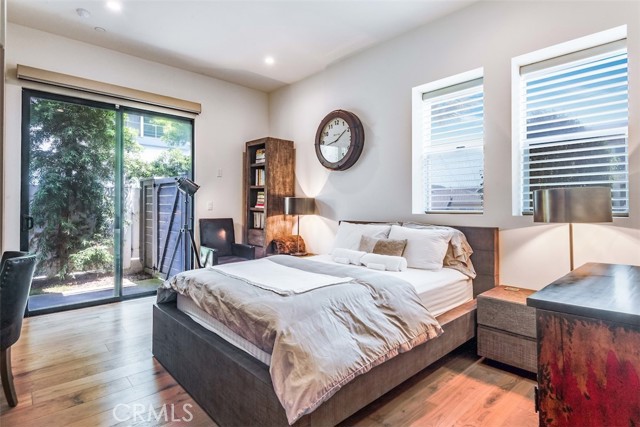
pixel 244 251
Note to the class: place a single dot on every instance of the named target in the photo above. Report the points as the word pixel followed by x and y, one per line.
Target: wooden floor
pixel 76 368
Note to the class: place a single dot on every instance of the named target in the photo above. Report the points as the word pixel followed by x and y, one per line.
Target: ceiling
pixel 229 39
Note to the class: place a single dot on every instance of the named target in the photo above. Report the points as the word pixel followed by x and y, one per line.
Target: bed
pixel 236 389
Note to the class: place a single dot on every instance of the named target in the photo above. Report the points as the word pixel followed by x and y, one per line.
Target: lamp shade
pixel 299 206
pixel 572 205
pixel 187 186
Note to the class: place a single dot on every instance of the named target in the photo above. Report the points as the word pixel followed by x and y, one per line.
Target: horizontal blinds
pixel 453 154
pixel 573 125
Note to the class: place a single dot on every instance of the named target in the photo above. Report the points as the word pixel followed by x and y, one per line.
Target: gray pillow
pixel 382 246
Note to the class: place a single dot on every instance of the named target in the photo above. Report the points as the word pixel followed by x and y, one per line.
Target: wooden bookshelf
pixel 266 183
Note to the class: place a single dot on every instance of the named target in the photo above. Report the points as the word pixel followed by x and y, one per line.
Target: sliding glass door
pixel 83 209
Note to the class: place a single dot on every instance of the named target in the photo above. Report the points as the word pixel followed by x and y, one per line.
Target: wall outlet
pixel 219 173
pixel 209 206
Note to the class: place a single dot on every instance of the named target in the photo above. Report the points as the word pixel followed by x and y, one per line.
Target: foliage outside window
pixel 72 173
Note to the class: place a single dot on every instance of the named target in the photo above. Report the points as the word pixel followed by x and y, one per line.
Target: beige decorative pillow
pixel 382 246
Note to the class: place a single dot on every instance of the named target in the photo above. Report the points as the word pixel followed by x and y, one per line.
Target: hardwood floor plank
pixel 23 415
pixel 79 384
pixel 71 371
pixel 74 368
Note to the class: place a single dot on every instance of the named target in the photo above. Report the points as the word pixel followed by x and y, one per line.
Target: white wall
pixel 376 85
pixel 231 115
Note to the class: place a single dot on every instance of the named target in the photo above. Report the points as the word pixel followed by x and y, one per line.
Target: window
pixel 448 141
pixel 573 123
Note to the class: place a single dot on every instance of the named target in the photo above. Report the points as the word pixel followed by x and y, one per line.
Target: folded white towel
pixel 390 263
pixel 351 255
pixel 374 266
pixel 341 260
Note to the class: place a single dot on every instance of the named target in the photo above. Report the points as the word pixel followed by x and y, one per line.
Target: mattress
pixel 189 307
pixel 439 291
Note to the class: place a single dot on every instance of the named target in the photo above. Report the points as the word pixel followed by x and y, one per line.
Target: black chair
pixel 16 273
pixel 218 234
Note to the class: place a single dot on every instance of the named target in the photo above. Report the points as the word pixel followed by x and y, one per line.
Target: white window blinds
pixel 573 123
pixel 452 148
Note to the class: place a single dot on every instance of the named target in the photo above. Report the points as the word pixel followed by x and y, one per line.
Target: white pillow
pixel 349 234
pixel 352 257
pixel 425 248
pixel 384 262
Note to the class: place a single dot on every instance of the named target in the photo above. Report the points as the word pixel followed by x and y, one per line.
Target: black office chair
pixel 16 273
pixel 218 234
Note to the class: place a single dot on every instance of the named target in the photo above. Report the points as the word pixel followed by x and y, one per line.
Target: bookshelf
pixel 269 176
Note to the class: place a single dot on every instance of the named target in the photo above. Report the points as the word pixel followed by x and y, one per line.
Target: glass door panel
pixel 69 199
pixel 157 151
pixel 100 206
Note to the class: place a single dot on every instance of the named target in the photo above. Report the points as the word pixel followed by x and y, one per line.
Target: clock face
pixel 339 140
pixel 335 140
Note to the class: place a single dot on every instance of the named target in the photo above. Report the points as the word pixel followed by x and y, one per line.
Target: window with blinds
pixel 452 148
pixel 573 124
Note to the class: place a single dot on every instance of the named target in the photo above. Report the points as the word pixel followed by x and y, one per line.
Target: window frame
pixel 418 188
pixel 550 54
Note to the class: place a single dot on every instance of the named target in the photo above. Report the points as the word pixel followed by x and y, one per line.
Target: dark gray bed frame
pixel 235 389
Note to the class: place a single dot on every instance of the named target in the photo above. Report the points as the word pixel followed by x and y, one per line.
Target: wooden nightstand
pixel 507 327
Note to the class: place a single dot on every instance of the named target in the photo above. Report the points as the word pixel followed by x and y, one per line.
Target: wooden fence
pixel 162 218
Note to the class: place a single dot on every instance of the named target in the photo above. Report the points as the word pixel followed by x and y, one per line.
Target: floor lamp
pixel 188 188
pixel 299 206
pixel 572 205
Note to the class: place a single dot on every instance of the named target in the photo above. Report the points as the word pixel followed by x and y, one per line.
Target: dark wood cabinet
pixel 588 327
pixel 269 176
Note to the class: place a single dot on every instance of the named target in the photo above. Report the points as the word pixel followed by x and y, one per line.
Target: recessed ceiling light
pixel 269 60
pixel 114 5
pixel 100 29
pixel 83 13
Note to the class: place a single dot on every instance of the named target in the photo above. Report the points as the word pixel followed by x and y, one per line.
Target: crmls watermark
pixel 139 412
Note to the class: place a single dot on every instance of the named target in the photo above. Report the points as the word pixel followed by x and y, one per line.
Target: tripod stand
pixel 188 189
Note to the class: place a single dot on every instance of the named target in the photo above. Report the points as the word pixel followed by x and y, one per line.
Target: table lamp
pixel 572 205
pixel 299 206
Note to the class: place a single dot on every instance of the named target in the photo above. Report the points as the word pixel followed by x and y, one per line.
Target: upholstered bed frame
pixel 235 389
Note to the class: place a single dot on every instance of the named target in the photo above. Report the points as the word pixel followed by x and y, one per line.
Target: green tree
pixel 176 133
pixel 171 163
pixel 72 169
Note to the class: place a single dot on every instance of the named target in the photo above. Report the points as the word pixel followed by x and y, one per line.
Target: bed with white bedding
pixel 439 291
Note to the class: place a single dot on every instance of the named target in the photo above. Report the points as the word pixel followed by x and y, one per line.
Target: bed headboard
pixel 485 258
pixel 484 242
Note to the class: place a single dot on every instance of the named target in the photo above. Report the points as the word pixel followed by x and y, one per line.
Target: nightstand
pixel 507 327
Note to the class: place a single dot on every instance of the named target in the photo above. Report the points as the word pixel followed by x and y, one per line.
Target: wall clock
pixel 339 140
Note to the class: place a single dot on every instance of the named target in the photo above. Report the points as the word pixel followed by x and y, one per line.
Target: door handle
pixel 27 223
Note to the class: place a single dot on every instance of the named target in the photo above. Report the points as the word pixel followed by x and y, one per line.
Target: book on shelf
pixel 259 177
pixel 258 220
pixel 260 155
pixel 260 199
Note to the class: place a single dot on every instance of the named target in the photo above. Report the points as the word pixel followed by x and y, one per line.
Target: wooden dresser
pixel 588 327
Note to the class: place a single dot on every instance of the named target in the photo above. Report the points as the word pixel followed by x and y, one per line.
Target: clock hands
pixel 337 139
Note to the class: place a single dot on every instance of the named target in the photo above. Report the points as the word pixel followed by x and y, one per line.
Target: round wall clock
pixel 339 140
